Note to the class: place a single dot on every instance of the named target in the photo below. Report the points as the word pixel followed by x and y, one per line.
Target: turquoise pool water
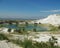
pixel 28 28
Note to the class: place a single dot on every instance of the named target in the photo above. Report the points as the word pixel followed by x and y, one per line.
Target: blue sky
pixel 28 8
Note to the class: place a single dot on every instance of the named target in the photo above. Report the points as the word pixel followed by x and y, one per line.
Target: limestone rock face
pixel 51 19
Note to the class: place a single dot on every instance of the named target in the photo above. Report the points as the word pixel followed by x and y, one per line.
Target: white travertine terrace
pixel 51 19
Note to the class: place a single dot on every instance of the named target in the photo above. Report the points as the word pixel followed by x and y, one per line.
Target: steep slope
pixel 51 19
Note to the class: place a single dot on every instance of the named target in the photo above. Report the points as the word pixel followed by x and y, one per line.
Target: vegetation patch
pixel 33 44
pixel 3 37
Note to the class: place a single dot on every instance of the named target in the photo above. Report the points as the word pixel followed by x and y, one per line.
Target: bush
pixel 31 44
pixel 54 29
pixel 34 29
pixel 25 44
pixel 3 37
pixel 9 30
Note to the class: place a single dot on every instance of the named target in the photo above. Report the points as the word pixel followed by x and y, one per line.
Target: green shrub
pixel 32 44
pixel 54 29
pixel 3 37
pixel 9 30
pixel 35 30
pixel 25 44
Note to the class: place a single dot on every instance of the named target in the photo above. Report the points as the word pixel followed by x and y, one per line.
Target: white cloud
pixel 51 11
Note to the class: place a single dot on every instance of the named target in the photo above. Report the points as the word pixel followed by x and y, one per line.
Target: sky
pixel 28 8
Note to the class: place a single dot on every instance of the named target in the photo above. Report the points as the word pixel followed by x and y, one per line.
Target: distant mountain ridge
pixel 11 18
pixel 17 19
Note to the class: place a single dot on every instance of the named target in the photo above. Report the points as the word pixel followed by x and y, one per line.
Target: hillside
pixel 51 19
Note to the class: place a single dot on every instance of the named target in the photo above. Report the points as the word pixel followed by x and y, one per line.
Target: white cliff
pixel 51 19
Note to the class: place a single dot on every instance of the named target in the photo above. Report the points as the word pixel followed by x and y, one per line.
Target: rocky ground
pixel 5 44
pixel 34 36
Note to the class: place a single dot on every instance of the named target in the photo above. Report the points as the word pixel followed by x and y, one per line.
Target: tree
pixel 23 29
pixel 9 30
pixel 35 24
pixel 34 30
pixel 26 23
pixel 10 23
pixel 17 23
